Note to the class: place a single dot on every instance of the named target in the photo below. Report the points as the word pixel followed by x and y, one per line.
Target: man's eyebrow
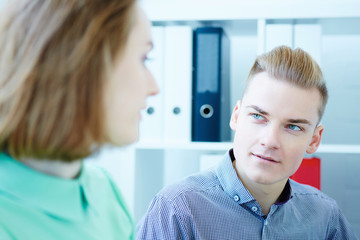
pixel 303 121
pixel 258 109
pixel 263 112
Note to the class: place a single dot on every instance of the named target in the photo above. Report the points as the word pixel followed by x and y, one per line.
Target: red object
pixel 308 172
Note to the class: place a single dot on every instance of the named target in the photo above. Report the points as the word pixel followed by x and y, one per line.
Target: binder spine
pixel 178 57
pixel 210 96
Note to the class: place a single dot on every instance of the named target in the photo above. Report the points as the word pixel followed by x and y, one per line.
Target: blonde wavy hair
pixel 55 58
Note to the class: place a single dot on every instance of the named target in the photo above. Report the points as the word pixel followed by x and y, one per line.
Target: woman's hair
pixel 55 59
pixel 294 66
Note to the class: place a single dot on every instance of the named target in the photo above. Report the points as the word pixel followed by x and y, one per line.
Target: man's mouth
pixel 265 158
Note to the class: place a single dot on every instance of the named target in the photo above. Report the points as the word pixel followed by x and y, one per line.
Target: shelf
pixel 337 148
pixel 205 10
pixel 224 146
pixel 201 146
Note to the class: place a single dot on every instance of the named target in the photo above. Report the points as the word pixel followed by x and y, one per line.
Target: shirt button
pixel 254 209
pixel 236 198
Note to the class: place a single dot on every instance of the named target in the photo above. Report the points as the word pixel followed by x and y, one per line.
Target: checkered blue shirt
pixel 215 205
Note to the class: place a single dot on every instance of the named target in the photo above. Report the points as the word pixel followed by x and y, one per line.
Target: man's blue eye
pixel 257 116
pixel 294 127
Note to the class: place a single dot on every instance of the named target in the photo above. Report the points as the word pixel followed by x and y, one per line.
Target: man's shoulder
pixel 197 183
pixel 310 194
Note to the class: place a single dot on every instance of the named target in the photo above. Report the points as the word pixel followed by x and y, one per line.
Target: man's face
pixel 274 124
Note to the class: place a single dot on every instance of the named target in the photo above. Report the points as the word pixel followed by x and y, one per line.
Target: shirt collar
pixel 233 186
pixel 64 198
pixel 229 180
pixel 285 195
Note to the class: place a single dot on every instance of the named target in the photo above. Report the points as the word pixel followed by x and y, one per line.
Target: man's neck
pixel 265 195
pixel 55 168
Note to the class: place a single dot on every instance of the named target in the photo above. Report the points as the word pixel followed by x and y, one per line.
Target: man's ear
pixel 316 139
pixel 235 115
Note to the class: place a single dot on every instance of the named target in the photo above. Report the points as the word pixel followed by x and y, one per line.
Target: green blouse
pixel 34 205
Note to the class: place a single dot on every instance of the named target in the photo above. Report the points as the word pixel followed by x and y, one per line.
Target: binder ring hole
pixel 176 110
pixel 206 111
pixel 150 110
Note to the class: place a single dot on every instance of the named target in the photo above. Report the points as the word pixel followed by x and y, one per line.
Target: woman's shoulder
pixel 95 171
pixel 97 177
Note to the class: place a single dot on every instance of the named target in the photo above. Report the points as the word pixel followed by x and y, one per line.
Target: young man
pixel 249 194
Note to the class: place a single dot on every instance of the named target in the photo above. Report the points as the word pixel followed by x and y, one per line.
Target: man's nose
pixel 270 137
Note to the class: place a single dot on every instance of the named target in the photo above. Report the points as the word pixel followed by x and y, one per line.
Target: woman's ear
pixel 316 139
pixel 235 115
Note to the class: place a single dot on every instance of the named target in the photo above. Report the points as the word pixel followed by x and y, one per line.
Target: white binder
pixel 178 84
pixel 277 35
pixel 152 124
pixel 308 37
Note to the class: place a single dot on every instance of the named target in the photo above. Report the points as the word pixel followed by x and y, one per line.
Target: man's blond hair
pixel 294 66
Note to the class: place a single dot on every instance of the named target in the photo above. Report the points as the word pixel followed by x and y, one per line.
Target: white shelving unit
pixel 230 10
pixel 149 167
pixel 224 146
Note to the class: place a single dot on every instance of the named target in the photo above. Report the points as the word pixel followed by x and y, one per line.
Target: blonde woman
pixel 72 78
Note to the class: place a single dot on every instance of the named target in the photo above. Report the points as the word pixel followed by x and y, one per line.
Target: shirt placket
pixel 267 233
